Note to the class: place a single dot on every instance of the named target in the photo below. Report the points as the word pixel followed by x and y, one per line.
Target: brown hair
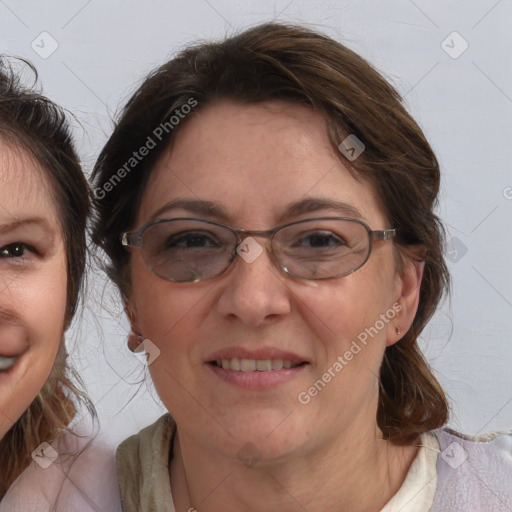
pixel 295 64
pixel 31 123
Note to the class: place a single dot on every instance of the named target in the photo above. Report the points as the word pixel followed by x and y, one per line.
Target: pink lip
pixel 259 353
pixel 256 380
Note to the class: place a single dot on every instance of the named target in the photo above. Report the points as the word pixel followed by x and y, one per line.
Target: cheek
pixel 350 318
pixel 165 311
pixel 347 308
pixel 45 303
pixel 168 318
pixel 38 302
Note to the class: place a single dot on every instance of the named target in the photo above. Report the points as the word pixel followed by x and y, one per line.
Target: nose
pixel 253 290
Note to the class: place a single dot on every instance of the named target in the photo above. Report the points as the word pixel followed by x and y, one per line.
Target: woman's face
pixel 255 162
pixel 33 279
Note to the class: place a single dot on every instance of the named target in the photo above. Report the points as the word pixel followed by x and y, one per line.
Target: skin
pixel 326 455
pixel 31 318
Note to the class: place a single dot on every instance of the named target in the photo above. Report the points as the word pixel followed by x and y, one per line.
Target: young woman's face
pixel 33 279
pixel 255 162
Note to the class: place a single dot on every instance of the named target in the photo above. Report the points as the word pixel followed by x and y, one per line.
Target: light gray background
pixel 464 105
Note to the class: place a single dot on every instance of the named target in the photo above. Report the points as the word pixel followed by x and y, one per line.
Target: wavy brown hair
pixel 298 65
pixel 34 125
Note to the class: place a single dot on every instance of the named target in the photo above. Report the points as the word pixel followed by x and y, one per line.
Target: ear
pixel 135 337
pixel 407 295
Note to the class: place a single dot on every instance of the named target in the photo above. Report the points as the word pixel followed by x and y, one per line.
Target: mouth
pixel 6 363
pixel 259 369
pixel 255 365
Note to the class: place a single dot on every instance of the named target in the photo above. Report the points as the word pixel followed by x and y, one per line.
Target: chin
pixel 271 435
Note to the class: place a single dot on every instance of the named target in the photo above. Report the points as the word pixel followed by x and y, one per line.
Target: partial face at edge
pixel 256 160
pixel 33 283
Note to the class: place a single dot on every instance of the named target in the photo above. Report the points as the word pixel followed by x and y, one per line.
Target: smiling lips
pixel 264 368
pixel 252 365
pixel 256 372
pixel 6 363
pixel 259 360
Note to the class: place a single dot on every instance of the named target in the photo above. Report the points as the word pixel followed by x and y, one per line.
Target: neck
pixel 356 473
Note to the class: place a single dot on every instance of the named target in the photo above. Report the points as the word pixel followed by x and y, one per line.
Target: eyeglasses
pixel 189 250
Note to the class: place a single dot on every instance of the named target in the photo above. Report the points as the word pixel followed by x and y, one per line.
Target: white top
pixel 417 492
pixel 74 474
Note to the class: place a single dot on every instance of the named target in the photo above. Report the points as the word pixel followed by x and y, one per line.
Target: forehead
pixel 24 189
pixel 255 159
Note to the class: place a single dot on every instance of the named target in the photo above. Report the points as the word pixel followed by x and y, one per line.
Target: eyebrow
pixel 20 223
pixel 215 209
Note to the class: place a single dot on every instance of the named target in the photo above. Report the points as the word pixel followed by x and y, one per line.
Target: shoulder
pixel 474 472
pixel 143 466
pixel 154 437
pixel 73 473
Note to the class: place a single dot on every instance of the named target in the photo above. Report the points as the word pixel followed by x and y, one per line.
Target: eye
pixel 14 250
pixel 320 239
pixel 192 239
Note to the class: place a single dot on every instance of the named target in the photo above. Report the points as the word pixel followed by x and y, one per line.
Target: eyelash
pixel 9 248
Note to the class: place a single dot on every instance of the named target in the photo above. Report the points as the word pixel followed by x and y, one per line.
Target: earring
pixel 398 330
pixel 134 340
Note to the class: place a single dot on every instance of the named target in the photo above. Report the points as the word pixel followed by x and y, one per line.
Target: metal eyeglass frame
pixel 134 239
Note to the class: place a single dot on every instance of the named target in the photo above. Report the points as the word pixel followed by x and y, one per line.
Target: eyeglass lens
pixel 194 250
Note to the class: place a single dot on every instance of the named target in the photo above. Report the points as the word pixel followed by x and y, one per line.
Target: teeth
pixel 251 365
pixel 277 364
pixel 248 365
pixel 264 366
pixel 6 363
